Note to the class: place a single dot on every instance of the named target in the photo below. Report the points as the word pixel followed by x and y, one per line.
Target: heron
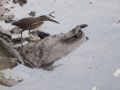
pixel 30 23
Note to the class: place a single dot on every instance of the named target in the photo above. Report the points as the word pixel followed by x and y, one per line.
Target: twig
pixel 51 14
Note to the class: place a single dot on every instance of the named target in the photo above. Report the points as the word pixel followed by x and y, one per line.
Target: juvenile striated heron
pixel 31 23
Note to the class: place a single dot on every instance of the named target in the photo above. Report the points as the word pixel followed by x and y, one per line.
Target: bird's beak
pixel 49 19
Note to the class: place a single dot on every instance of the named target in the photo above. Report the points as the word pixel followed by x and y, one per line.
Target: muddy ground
pixel 37 53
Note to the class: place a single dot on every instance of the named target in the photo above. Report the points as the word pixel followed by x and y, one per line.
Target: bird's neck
pixel 40 18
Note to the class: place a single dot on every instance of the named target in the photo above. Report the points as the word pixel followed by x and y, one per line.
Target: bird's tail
pixel 14 23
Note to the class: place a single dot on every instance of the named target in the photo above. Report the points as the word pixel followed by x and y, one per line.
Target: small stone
pixel 1 4
pixel 32 13
pixel 90 2
pixel 8 81
pixel 15 1
pixel 7 10
pixel 12 7
pixel 8 18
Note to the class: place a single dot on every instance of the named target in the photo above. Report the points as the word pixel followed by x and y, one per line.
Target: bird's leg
pixel 21 38
pixel 30 35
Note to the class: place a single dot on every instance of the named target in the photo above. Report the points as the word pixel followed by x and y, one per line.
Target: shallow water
pixel 93 66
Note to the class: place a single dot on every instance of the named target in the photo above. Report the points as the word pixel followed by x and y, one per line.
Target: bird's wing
pixel 23 21
pixel 26 20
pixel 36 24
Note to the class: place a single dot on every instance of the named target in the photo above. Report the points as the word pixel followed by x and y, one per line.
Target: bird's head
pixel 47 18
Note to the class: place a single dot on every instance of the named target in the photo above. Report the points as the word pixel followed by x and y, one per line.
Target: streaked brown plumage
pixel 31 23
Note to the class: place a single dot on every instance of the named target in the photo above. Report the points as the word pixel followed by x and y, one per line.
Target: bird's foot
pixel 34 38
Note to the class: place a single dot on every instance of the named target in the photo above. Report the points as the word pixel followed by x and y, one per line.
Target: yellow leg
pixel 31 35
pixel 21 38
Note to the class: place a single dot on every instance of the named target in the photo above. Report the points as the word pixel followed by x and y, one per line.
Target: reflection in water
pixel 21 2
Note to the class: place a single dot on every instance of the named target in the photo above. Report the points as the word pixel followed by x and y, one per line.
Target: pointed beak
pixel 49 19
